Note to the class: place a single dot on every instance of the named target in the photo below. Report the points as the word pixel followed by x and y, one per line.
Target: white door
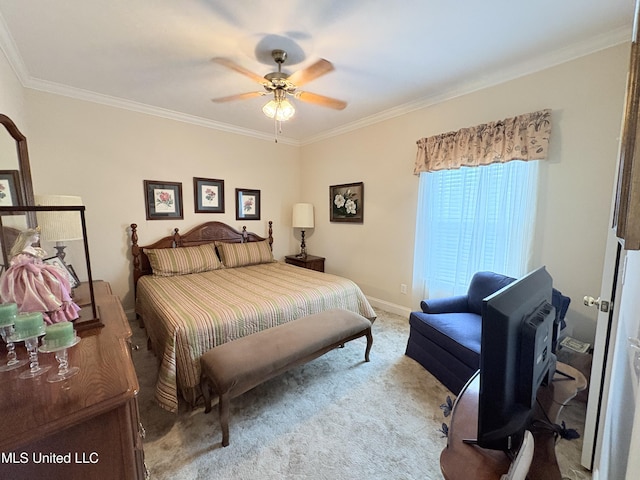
pixel 628 375
pixel 606 330
pixel 618 431
pixel 611 427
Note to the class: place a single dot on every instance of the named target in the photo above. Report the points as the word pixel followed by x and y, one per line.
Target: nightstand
pixel 311 262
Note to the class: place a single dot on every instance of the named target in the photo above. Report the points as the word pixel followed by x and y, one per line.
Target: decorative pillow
pixel 242 254
pixel 167 262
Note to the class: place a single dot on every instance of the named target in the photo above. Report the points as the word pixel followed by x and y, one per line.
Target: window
pixel 473 219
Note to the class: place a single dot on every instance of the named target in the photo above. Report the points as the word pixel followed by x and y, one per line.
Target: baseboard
pixel 389 307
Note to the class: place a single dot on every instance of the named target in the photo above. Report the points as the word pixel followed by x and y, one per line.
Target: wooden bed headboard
pixel 205 233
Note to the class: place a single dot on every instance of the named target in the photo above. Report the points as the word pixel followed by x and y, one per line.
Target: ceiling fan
pixel 282 85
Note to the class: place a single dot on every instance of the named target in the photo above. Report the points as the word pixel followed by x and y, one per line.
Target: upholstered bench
pixel 235 367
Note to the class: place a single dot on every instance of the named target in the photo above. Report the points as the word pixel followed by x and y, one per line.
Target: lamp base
pixel 303 247
pixel 59 246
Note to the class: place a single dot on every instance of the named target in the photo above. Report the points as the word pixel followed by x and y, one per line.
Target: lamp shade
pixel 303 215
pixel 59 226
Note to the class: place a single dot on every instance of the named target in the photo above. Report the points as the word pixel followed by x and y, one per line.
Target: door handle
pixel 602 305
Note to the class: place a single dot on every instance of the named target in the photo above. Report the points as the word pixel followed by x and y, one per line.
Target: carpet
pixel 336 417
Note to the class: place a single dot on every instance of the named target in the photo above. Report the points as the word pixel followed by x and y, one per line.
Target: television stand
pixel 461 460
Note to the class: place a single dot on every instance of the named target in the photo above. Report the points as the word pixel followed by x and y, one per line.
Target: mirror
pixel 16 188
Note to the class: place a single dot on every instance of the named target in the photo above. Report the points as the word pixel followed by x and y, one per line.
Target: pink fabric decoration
pixel 38 287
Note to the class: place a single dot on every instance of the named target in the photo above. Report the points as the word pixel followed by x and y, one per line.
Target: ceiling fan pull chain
pixel 277 124
pixel 276 127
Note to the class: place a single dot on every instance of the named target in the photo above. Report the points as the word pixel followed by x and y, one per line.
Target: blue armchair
pixel 445 336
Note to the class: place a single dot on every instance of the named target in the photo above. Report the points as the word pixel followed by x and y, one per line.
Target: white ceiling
pixel 389 57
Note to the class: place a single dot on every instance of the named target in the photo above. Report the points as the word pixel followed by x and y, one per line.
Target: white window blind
pixel 473 219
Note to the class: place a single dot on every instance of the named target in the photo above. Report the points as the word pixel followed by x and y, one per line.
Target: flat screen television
pixel 515 358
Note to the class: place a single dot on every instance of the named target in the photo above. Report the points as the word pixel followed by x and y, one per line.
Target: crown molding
pixel 542 62
pixel 86 95
pixel 537 64
pixel 8 46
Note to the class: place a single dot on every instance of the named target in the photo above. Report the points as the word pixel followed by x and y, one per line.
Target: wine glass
pixel 62 356
pixel 12 359
pixel 35 369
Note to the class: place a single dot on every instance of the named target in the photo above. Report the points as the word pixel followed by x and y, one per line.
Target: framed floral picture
pixel 10 190
pixel 163 200
pixel 247 204
pixel 208 195
pixel 346 202
pixel 67 270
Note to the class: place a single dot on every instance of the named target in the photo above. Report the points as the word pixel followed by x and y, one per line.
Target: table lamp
pixel 303 218
pixel 59 227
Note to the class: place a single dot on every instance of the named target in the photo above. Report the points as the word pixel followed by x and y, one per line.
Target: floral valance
pixel 525 137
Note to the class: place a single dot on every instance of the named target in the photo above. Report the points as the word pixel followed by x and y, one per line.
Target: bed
pixel 214 284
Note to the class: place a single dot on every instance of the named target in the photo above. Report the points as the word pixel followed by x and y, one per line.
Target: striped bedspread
pixel 187 315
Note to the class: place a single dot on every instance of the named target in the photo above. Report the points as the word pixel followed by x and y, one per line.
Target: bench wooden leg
pixel 223 409
pixel 369 343
pixel 206 393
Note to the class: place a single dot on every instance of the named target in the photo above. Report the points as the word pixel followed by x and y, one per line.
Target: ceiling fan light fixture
pixel 282 85
pixel 279 108
pixel 281 111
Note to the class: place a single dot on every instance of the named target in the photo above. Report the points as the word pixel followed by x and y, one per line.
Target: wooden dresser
pixel 85 427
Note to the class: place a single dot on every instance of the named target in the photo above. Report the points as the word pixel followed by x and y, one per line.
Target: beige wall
pixel 103 154
pixel 586 96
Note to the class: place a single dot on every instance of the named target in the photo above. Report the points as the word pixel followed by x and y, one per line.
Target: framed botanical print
pixel 208 195
pixel 163 200
pixel 247 204
pixel 346 202
pixel 67 270
pixel 10 193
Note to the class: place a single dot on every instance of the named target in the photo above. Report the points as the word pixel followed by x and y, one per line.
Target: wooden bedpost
pixel 244 234
pixel 271 235
pixel 135 252
pixel 177 241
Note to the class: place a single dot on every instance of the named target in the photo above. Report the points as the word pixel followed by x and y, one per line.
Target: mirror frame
pixel 24 177
pixel 626 215
pixel 26 184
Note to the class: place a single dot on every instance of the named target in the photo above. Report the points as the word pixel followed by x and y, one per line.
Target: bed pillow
pixel 167 262
pixel 242 254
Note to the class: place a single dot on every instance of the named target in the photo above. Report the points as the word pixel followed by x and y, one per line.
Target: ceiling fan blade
pixel 239 96
pixel 321 67
pixel 320 100
pixel 225 62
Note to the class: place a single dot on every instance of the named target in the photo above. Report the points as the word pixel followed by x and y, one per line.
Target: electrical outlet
pixel 403 289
